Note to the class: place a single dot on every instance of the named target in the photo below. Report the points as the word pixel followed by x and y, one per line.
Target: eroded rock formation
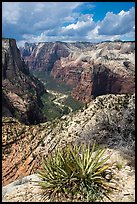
pixel 109 119
pixel 93 69
pixel 45 55
pixel 20 91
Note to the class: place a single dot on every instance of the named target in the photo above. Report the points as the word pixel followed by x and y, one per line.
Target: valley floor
pixel 59 98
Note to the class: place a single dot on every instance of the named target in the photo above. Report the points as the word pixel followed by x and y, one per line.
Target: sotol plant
pixel 75 170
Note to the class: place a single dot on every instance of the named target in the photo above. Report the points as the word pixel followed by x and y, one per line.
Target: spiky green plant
pixel 76 170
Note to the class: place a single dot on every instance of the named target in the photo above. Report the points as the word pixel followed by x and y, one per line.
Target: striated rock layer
pixel 93 69
pixel 99 79
pixel 45 55
pixel 21 92
pixel 109 119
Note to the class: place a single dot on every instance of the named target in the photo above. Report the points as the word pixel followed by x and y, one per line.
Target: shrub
pixel 72 103
pixel 65 110
pixel 75 170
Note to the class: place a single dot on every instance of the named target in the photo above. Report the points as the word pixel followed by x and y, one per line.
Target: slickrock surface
pixel 23 190
pixel 26 190
pixel 109 119
pixel 21 92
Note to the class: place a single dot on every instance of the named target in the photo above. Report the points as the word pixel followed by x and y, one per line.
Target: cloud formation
pixel 63 21
pixel 119 24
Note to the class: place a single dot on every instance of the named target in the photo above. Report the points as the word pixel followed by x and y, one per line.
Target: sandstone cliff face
pixel 98 69
pixel 44 55
pixel 20 91
pixel 109 119
pixel 99 80
pixel 93 69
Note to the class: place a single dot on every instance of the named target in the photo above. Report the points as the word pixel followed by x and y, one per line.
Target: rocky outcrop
pixel 45 55
pixel 67 71
pixel 98 69
pixel 23 190
pixel 27 190
pixel 99 80
pixel 21 92
pixel 93 69
pixel 109 119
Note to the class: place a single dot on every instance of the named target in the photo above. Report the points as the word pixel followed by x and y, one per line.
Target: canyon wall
pixel 21 92
pixel 93 69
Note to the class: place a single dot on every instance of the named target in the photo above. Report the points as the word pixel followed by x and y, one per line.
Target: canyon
pixel 93 69
pixel 103 78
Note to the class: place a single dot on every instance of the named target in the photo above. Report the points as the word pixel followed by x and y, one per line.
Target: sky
pixel 68 21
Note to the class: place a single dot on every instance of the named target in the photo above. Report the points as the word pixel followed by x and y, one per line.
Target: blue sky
pixel 68 21
pixel 99 9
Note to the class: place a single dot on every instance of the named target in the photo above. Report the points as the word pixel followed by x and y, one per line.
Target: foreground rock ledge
pixel 108 119
pixel 22 190
pixel 25 190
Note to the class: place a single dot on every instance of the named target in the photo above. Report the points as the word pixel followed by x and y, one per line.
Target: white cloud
pixel 123 13
pixel 39 7
pixel 33 38
pixel 11 12
pixel 69 19
pixel 117 24
pixel 63 21
pixel 84 20
pixel 80 28
pixel 34 17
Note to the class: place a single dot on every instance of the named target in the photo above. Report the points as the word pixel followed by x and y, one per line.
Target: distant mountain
pixel 20 91
pixel 94 69
pixel 27 49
